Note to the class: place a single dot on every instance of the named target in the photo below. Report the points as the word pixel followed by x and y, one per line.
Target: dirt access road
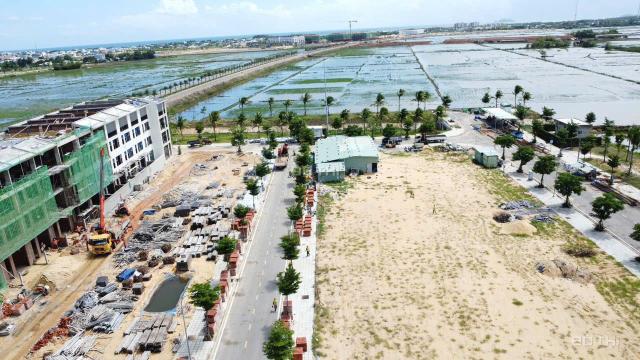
pixel 42 318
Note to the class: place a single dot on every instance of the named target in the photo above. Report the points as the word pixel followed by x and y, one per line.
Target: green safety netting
pixel 84 167
pixel 27 208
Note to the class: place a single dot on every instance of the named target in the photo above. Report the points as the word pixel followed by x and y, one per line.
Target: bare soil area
pixel 411 265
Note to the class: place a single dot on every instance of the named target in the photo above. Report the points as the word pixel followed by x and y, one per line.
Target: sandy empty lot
pixel 411 265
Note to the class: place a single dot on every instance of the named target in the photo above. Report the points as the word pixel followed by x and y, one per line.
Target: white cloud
pixel 178 7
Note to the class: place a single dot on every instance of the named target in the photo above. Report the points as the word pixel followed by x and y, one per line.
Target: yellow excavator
pixel 101 240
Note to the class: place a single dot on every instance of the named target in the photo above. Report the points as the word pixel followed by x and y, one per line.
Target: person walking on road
pixel 275 304
pixel 308 251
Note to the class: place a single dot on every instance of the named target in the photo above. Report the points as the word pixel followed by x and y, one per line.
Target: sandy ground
pixel 412 266
pixel 74 274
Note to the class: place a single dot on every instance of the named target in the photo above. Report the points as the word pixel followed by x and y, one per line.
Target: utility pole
pixel 575 14
pixel 351 22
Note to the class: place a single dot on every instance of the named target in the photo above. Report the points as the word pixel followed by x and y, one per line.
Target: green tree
pixel 605 206
pixel 329 101
pixel 402 116
pixel 240 211
pixel 214 117
pixel 364 115
pixel 544 166
pixel 635 235
pixel 254 190
pixel 257 121
pixel 526 96
pixel 505 141
pixel 536 128
pixel 440 113
pixel 498 96
pixel 633 136
pixel 199 129
pixel 568 184
pixel 547 113
pixel 572 130
pixel 270 102
pixel 419 97
pixel 400 94
pixel 620 138
pixel 237 137
pixel 262 170
pixel 379 102
pixel 279 345
pixel 226 246
pixel 306 98
pixel 614 162
pixel 417 118
pixel 336 124
pixel 516 91
pixel 242 102
pixel 406 125
pixel 180 124
pixel 524 155
pixel 586 145
pixel 590 118
pixel 608 133
pixel 203 295
pixel 344 116
pixel 389 131
pixel 562 136
pixel 295 213
pixel 300 191
pixel 425 128
pixel 290 246
pixel 287 103
pixel 486 99
pixel 446 101
pixel 288 281
pixel 521 113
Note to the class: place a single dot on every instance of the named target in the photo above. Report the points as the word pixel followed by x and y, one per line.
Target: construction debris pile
pixel 178 197
pixel 147 334
pixel 565 269
pixel 521 209
pixel 152 236
pixel 75 348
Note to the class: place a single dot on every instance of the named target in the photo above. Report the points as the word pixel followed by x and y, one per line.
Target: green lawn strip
pixel 302 90
pixel 322 81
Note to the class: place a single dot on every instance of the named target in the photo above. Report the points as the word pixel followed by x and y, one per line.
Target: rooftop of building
pixel 574 121
pixel 499 113
pixel 341 147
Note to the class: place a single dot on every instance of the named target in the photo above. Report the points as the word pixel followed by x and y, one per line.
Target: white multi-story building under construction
pixel 50 168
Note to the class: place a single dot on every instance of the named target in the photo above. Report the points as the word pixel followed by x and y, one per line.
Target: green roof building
pixel 337 156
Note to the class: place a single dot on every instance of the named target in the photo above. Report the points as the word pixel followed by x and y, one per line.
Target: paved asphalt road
pixel 620 223
pixel 251 314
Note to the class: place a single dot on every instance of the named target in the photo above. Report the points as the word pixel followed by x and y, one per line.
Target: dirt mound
pixel 565 269
pixel 518 227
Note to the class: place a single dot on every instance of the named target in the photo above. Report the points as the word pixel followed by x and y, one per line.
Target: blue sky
pixel 48 23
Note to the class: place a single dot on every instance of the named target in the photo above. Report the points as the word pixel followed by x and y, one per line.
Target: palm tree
pixel 517 90
pixel 305 100
pixel 243 101
pixel 282 121
pixel 214 117
pixel 241 119
pixel 633 135
pixel 270 102
pixel 403 115
pixel 498 96
pixel 526 96
pixel 400 94
pixel 287 104
pixel 180 124
pixel 366 113
pixel 426 96
pixel 329 101
pixel 419 97
pixel 440 113
pixel 619 140
pixel 344 116
pixel 379 102
pixel 257 121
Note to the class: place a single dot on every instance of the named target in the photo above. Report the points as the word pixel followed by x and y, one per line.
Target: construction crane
pixel 351 22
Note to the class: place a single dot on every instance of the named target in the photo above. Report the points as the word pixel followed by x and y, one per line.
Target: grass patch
pixel 353 52
pixel 341 186
pixel 321 81
pixel 320 320
pixel 504 188
pixel 317 90
pixel 620 173
pixel 324 202
pixel 623 292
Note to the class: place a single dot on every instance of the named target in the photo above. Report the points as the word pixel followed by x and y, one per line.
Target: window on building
pixel 134 118
pixel 115 143
pixel 112 130
pixel 119 160
pixel 163 123
pixel 146 126
pixel 148 141
pixel 164 137
pixel 124 124
pixel 136 131
pixel 143 114
pixel 126 137
pixel 130 153
pixel 140 146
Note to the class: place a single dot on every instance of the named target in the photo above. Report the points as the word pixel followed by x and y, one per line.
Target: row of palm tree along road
pixel 566 183
pixel 421 120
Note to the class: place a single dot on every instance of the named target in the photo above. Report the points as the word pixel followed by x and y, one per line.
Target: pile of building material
pixel 147 334
pixel 521 209
pixel 75 348
pixel 152 235
pixel 177 197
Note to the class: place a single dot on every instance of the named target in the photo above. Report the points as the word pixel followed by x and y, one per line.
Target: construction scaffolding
pixel 84 167
pixel 27 208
